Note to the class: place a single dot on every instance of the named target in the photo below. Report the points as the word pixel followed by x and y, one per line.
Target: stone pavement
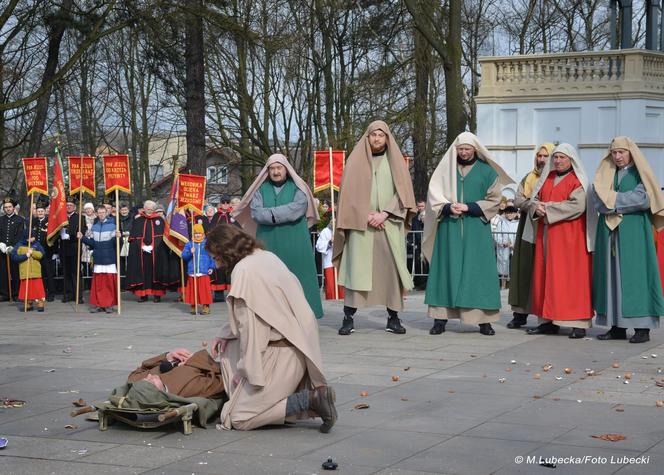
pixel 462 402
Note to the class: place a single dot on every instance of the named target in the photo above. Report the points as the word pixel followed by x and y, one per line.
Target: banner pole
pixel 78 251
pixel 27 280
pixel 334 224
pixel 117 246
pixel 193 256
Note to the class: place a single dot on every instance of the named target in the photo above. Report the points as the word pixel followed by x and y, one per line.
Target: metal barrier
pixel 416 264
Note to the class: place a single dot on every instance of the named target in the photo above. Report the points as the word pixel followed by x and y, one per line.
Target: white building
pixel 584 99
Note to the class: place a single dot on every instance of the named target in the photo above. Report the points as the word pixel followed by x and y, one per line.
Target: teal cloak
pixel 462 272
pixel 291 242
pixel 641 289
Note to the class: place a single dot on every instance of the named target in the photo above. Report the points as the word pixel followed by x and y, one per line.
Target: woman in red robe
pixel 562 280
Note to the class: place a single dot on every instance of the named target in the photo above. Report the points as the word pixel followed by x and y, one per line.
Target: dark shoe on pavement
pixel 156 299
pixel 438 326
pixel 321 401
pixel 544 329
pixel 143 299
pixel 616 333
pixel 641 335
pixel 577 333
pixel 347 326
pixel 519 320
pixel 108 309
pixel 487 329
pixel 394 326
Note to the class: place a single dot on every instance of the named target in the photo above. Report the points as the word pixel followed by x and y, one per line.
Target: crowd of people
pixel 572 248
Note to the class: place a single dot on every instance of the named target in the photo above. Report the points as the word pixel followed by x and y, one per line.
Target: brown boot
pixel 206 310
pixel 40 305
pixel 321 401
pixel 193 310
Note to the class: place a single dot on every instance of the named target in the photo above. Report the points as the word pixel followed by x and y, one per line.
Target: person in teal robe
pixel 464 194
pixel 279 209
pixel 627 290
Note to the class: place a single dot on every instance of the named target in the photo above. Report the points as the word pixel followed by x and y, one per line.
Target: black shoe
pixel 438 327
pixel 347 326
pixel 577 333
pixel 394 326
pixel 487 329
pixel 641 335
pixel 108 309
pixel 95 309
pixel 156 299
pixel 519 320
pixel 143 299
pixel 321 401
pixel 616 333
pixel 544 329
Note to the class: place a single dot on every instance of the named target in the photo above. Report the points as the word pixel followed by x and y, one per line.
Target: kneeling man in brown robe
pixel 270 351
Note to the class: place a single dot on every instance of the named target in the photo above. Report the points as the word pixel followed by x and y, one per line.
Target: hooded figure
pixel 522 257
pixel 376 205
pixel 270 349
pixel 464 194
pixel 559 227
pixel 278 209
pixel 627 289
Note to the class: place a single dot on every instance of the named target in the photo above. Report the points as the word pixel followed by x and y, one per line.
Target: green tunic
pixel 640 284
pixel 291 242
pixel 462 272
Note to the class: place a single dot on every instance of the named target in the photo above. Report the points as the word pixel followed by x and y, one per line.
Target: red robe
pixel 562 279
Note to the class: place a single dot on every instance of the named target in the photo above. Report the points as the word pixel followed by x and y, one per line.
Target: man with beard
pixel 522 258
pixel 144 240
pixel 11 229
pixel 39 232
pixel 376 205
pixel 279 209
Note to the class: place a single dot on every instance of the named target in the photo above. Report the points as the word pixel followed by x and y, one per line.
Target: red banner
pixel 57 215
pixel 82 175
pixel 36 175
pixel 322 169
pixel 116 173
pixel 191 193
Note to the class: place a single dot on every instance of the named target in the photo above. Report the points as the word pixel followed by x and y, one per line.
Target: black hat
pixel 42 202
pixel 225 198
pixel 9 199
pixel 72 199
pixel 511 209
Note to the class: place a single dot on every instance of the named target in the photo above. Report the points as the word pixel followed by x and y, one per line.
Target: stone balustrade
pixel 615 74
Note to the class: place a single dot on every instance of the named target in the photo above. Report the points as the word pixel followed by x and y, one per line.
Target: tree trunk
pixel 420 114
pixel 194 90
pixel 56 32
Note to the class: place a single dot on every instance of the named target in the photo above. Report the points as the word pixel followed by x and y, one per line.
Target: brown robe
pixel 200 376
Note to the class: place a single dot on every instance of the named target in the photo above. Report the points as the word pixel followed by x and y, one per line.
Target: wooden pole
pixel 78 251
pixel 195 258
pixel 117 246
pixel 334 223
pixel 27 280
